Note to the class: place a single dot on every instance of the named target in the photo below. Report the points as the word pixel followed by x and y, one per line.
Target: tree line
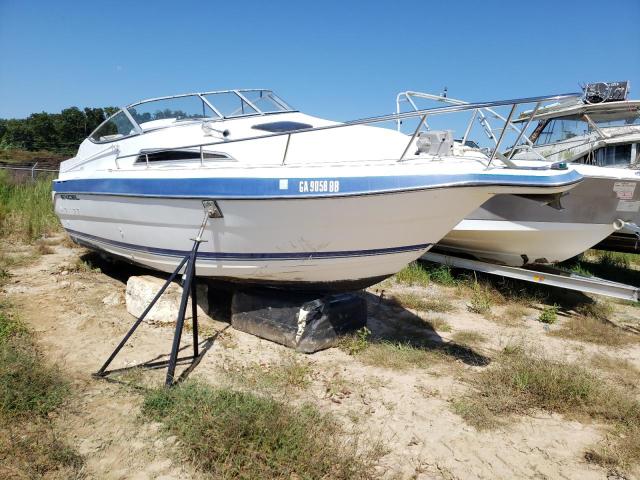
pixel 56 132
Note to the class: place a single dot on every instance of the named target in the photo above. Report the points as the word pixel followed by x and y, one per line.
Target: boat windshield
pixel 157 113
pixel 565 128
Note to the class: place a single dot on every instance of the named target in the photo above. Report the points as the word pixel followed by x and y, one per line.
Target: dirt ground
pixel 79 317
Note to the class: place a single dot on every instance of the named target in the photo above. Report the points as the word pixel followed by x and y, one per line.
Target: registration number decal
pixel 319 186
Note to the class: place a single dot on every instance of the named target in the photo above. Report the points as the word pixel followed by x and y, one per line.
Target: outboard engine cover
pixel 435 142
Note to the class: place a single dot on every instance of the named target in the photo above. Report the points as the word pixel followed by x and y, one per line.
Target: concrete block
pixel 141 290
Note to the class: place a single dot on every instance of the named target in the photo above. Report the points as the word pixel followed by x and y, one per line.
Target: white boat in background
pixel 602 129
pixel 300 201
pixel 515 230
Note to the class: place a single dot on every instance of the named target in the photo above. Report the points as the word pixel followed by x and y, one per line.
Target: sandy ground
pixel 79 317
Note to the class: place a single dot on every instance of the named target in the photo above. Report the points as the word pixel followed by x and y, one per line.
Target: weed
pixel 413 274
pixel 549 314
pixel 356 343
pixel 337 388
pixel 614 259
pixel 481 301
pixel 443 276
pixel 232 434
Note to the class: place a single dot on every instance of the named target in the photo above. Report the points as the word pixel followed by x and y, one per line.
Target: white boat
pixel 300 201
pixel 602 129
pixel 515 230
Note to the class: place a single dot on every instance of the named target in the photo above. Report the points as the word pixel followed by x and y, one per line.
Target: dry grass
pixel 593 330
pixel 439 324
pixel 469 337
pixel 30 390
pixel 399 356
pixel 292 372
pixel 421 303
pixel 597 309
pixel 512 315
pixel 407 353
pixel 521 383
pixel 482 299
pixel 620 371
pixel 230 434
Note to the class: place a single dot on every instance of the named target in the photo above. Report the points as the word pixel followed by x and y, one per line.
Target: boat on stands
pixel 602 129
pixel 517 230
pixel 298 201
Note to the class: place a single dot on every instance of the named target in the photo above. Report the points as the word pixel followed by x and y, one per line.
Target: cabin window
pixel 230 104
pixel 613 156
pixel 179 155
pixel 617 119
pixel 117 127
pixel 159 113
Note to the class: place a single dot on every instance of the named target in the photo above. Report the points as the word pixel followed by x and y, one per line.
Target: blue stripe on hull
pixel 253 256
pixel 247 188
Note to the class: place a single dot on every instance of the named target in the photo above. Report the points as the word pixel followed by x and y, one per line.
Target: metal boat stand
pixel 548 276
pixel 189 289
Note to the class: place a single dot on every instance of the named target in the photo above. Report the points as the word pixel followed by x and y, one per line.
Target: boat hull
pixel 520 243
pixel 330 243
pixel 516 231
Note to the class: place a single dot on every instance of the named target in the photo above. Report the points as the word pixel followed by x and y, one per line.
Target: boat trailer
pixel 545 276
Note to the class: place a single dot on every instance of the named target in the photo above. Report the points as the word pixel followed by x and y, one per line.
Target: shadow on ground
pixel 390 322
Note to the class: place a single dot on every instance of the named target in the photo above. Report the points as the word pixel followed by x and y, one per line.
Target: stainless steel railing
pixel 398 116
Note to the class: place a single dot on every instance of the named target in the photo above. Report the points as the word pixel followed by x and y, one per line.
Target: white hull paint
pixel 509 243
pixel 311 240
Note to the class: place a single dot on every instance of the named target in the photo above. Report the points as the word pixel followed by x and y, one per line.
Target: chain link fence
pixel 24 171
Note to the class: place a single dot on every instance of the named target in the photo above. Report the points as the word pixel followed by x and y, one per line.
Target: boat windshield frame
pixel 283 107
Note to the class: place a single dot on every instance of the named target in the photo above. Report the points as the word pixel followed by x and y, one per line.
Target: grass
pixel 549 314
pixel 621 371
pixel 481 300
pixel 422 274
pixel 594 330
pixel 413 274
pixel 231 434
pixel 30 390
pixel 521 383
pixel 614 266
pixel 26 211
pixel 468 337
pixel 439 324
pixel 598 310
pixel 512 314
pixel 291 373
pixel 423 304
pixel 406 353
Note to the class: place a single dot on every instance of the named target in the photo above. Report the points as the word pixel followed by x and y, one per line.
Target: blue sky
pixel 339 60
